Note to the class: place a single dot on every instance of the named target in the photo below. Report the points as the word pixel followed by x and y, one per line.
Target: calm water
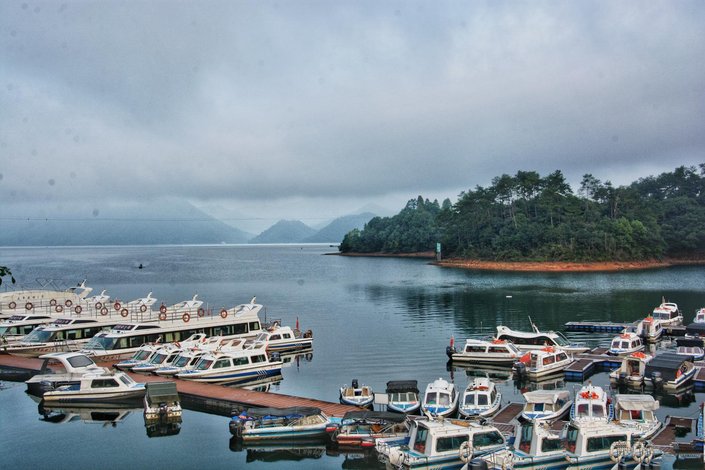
pixel 374 319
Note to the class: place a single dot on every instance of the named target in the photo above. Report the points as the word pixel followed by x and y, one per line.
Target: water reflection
pixel 110 415
pixel 161 429
pixel 280 451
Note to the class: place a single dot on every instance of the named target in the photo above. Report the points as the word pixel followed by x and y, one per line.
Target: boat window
pixel 527 431
pixel 598 410
pixel 80 361
pixel 104 383
pixel 497 350
pixel 485 439
pixel 548 445
pixel 141 355
pixel 583 409
pixel 181 361
pixel 38 336
pixel 158 358
pixel 420 440
pixel 254 326
pixel 443 399
pixel 258 358
pixel 475 349
pixel 625 345
pixel 431 398
pixel 221 363
pixel 240 361
pixel 203 364
pixel 126 380
pixel 562 356
pixel 571 438
pixel 647 415
pixel 595 444
pixel 273 337
pixel 615 344
pixel 549 360
pixel 561 340
pixel 470 399
pixel 482 399
pixel 101 343
pixel 287 336
pixel 444 444
pixel 538 406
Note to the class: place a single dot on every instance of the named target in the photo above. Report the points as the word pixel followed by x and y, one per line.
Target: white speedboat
pixel 476 351
pixel 403 396
pixel 668 314
pixel 546 405
pixel 60 369
pixel 234 367
pixel 529 340
pixel 542 363
pixel 631 372
pixel 440 398
pixel 94 387
pixel 356 394
pixel 650 329
pixel 481 399
pixel 142 355
pixel 271 424
pixel 591 404
pixel 187 358
pixel 163 356
pixel 626 343
pixel 636 412
pixel 669 372
pixel 278 338
pixel 699 316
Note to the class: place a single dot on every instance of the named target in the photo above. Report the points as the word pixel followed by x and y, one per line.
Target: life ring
pixel 143 308
pixel 124 312
pixel 59 308
pixel 116 306
pixel 162 316
pixel 465 452
pixel 98 305
pixel 78 309
pixel 68 303
pixel 104 311
pixel 162 309
pixel 223 313
pixel 28 306
pixel 186 317
pixel 12 305
pixel 201 312
pixel 52 302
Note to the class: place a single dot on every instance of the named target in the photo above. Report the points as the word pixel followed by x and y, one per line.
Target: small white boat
pixel 356 395
pixel 440 398
pixel 60 369
pixel 188 357
pixel 595 444
pixel 631 372
pixel 669 372
pixel 267 424
pixel 476 351
pixel 542 363
pixel 668 314
pixel 283 339
pixel 142 355
pixel 235 367
pixel 546 405
pixel 591 404
pixel 636 412
pixel 161 403
pixel 163 356
pixel 403 396
pixel 626 343
pixel 363 428
pixel 694 352
pixel 103 386
pixel 650 329
pixel 527 341
pixel 481 399
pixel 699 316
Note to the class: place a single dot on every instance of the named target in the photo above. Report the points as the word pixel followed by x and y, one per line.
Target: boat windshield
pixel 102 342
pixel 3 330
pixel 470 399
pixel 561 340
pixel 142 355
pixel 39 335
pixel 158 358
pixel 126 379
pixel 181 361
pixel 203 364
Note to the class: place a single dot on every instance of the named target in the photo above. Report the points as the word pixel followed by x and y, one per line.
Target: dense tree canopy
pixel 530 217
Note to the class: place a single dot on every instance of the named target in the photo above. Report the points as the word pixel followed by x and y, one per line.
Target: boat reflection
pixel 281 451
pixel 163 429
pixel 109 415
pixel 261 385
pixel 682 399
pixel 496 374
pixel 359 459
pixel 555 382
pixel 296 358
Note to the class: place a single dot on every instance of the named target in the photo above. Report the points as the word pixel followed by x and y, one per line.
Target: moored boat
pixel 669 372
pixel 481 399
pixel 96 387
pixel 546 405
pixel 403 396
pixel 356 394
pixel 363 428
pixel 591 404
pixel 440 398
pixel 699 316
pixel 267 424
pixel 595 444
pixel 542 363
pixel 636 412
pixel 631 371
pixel 234 367
pixel 283 339
pixel 650 329
pixel 530 340
pixel 625 343
pixel 162 403
pixel 59 369
pixel 494 352
pixel 668 314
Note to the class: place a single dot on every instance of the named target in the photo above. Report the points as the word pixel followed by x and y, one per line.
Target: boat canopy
pixel 636 402
pixel 397 386
pixel 667 364
pixel 282 412
pixel 547 396
pixel 353 416
pixel 161 392
pixel 695 329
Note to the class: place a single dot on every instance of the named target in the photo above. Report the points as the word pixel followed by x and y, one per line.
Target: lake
pixel 373 319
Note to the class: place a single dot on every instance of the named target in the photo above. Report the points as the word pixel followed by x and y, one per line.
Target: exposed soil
pixel 558 266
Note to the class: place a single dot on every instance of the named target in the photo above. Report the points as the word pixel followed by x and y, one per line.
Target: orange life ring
pixel 143 308
pixel 28 306
pixel 59 308
pixel 12 305
pixel 201 312
pixel 162 309
pixel 98 305
pixel 223 313
pixel 104 311
pixel 162 316
pixel 68 303
pixel 78 309
pixel 52 302
pixel 116 305
pixel 124 312
pixel 186 317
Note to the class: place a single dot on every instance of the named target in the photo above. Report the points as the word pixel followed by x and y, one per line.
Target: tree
pixel 5 271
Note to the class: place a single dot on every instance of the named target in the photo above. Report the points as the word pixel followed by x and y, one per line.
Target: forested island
pixel 532 218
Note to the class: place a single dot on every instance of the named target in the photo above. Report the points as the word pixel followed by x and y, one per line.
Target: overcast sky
pixel 294 109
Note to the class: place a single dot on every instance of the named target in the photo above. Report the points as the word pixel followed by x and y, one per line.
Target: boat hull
pixel 233 376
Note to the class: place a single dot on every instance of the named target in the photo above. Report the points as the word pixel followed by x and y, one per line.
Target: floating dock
pixel 615 327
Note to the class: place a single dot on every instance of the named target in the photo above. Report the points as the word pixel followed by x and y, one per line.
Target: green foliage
pixel 529 217
pixel 5 271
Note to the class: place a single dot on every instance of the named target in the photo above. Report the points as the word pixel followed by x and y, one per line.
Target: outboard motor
pixel 657 380
pixel 477 464
pixel 622 380
pixel 519 369
pixel 355 383
pixel 450 350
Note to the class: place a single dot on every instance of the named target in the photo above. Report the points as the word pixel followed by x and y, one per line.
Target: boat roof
pixel 294 410
pixel 440 385
pixel 696 329
pixel 667 364
pixel 366 415
pixel 546 396
pixel 402 386
pixel 636 402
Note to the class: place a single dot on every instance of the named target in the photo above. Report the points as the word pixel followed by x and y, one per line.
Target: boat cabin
pixel 496 351
pixel 587 442
pixel 650 328
pixel 544 404
pixel 527 341
pixel 591 404
pixel 668 313
pixel 403 396
pixel 669 371
pixel 699 316
pixel 631 371
pixel 440 398
pixel 638 413
pixel 626 343
pixel 480 399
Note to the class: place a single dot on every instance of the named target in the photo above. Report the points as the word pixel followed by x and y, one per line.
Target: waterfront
pixel 374 319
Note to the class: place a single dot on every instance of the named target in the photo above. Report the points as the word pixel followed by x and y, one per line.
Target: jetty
pixel 616 327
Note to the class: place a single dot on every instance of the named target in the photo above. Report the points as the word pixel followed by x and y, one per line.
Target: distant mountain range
pixel 295 231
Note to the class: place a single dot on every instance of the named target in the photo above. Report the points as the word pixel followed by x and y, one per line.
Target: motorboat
pixel 142 355
pixel 356 394
pixel 91 387
pixel 538 445
pixel 546 405
pixel 669 372
pixel 699 316
pixel 234 367
pixel 17 326
pixel 636 412
pixel 494 352
pixel 283 339
pixel 631 371
pixel 480 399
pixel 591 404
pixel 162 403
pixel 440 398
pixel 650 329
pixel 188 357
pixel 695 352
pixel 443 443
pixel 668 314
pixel 542 363
pixel 59 369
pixel 163 356
pixel 595 444
pixel 530 340
pixel 265 424
pixel 626 343
pixel 403 396
pixel 363 428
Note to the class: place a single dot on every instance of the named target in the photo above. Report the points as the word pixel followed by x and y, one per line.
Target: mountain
pixel 285 231
pixel 336 230
pixel 157 223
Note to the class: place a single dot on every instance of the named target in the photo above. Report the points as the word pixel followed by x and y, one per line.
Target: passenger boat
pixel 631 371
pixel 363 428
pixel 264 424
pixel 440 398
pixel 60 369
pixel 476 351
pixel 17 326
pixel 538 446
pixel 636 412
pixel 668 314
pixel 546 405
pixel 234 367
pixel 403 396
pixel 356 395
pixel 103 386
pixel 443 444
pixel 650 329
pixel 527 341
pixel 625 344
pixel 278 338
pixel 542 363
pixel 591 404
pixel 669 372
pixel 593 445
pixel 162 403
pixel 43 299
pixel 124 339
pixel 481 399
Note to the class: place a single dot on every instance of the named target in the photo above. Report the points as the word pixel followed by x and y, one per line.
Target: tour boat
pixel 162 403
pixel 699 316
pixel 631 371
pixel 625 344
pixel 188 357
pixel 591 404
pixel 476 351
pixel 527 341
pixel 444 444
pixel 356 395
pixel 403 396
pixel 668 314
pixel 42 300
pixel 103 386
pixel 363 428
pixel 17 326
pixel 233 367
pixel 650 329
pixel 59 369
pixel 669 372
pixel 265 424
pixel 440 398
pixel 542 363
pixel 480 399
pixel 636 412
pixel 546 405
pixel 283 338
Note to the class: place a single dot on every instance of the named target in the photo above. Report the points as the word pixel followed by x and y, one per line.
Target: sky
pixel 266 110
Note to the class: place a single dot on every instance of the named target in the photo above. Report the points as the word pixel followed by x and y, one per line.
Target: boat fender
pixel 59 308
pixel 162 309
pixel 201 312
pixel 28 306
pixel 223 313
pixel 162 316
pixel 52 302
pixel 68 303
pixel 124 312
pixel 186 317
pixel 104 311
pixel 143 308
pixel 12 305
pixel 78 309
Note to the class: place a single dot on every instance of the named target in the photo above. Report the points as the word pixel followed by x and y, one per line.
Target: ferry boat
pixel 542 363
pixel 233 367
pixel 279 338
pixel 266 424
pixel 60 369
pixel 527 341
pixel 403 396
pixel 631 371
pixel 481 399
pixel 668 314
pixel 546 405
pixel 625 344
pixel 363 428
pixel 636 412
pixel 103 386
pixel 669 372
pixel 356 395
pixel 591 404
pixel 440 398
pixel 125 339
pixel 49 295
pixel 476 351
